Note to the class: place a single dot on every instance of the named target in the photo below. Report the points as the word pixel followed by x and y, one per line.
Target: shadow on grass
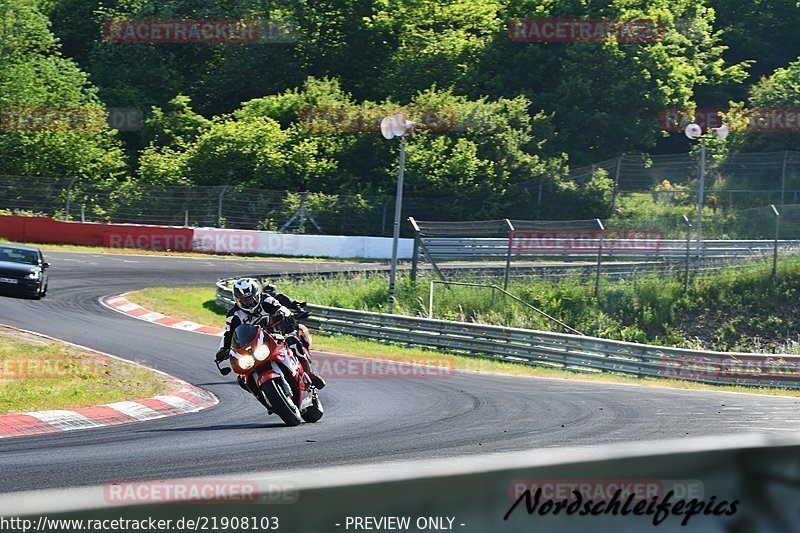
pixel 211 305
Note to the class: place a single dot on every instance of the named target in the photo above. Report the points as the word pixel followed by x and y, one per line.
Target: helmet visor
pixel 248 301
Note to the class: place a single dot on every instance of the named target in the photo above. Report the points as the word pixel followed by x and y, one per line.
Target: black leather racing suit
pixel 267 309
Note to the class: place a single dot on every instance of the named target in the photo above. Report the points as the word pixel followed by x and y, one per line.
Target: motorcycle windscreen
pixel 244 336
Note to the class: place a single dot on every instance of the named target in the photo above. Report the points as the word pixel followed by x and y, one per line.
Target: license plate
pixel 8 280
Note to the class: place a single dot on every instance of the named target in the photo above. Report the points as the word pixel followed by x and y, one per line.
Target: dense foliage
pixel 740 308
pixel 236 114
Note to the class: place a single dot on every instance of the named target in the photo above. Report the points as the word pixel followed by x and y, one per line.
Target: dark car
pixel 23 270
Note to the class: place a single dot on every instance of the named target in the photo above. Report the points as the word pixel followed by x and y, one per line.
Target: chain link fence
pixel 614 248
pixel 737 181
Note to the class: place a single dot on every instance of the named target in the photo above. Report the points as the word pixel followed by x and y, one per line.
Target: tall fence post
pixel 69 192
pixel 219 205
pixel 83 213
pixel 616 186
pixel 186 219
pixel 777 238
pixel 541 186
pixel 385 209
pixel 783 176
pixel 700 194
pixel 415 252
pixel 599 258
pixel 508 256
pixel 688 248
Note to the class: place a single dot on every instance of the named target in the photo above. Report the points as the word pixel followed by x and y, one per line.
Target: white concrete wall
pixel 263 242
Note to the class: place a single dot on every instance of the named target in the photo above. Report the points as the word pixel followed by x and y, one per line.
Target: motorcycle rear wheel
pixel 282 406
pixel 314 411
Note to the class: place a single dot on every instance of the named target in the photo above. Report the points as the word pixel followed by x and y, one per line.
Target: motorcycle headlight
pixel 246 362
pixel 261 353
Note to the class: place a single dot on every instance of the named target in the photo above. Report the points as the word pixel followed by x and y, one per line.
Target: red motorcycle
pixel 271 371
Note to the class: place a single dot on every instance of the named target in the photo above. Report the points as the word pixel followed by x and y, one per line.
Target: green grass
pixel 198 305
pixel 195 304
pixel 740 308
pixel 36 375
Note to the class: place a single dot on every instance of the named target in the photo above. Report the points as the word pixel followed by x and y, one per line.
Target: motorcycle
pixel 270 371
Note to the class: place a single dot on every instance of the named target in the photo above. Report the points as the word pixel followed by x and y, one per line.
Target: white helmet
pixel 247 293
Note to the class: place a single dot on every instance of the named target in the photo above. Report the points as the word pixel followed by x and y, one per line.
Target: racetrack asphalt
pixel 366 420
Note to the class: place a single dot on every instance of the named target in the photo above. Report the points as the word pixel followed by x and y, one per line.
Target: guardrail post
pixel 430 299
pixel 688 249
pixel 777 238
pixel 599 258
pixel 508 256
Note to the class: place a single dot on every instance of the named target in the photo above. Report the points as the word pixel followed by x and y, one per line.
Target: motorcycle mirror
pixel 225 371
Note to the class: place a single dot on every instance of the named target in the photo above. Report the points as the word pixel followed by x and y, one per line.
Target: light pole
pixel 391 127
pixel 694 131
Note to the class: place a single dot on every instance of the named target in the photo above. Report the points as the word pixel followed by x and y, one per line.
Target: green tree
pixel 35 80
pixel 607 96
pixel 176 125
pixel 780 90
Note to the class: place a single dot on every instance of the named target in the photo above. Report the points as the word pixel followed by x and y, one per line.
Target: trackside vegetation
pixel 739 308
pixel 38 374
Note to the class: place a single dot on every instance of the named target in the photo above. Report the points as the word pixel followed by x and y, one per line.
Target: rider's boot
pixel 316 379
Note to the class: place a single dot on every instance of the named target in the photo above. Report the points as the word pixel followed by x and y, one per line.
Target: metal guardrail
pixel 758 472
pixel 556 350
pixel 450 248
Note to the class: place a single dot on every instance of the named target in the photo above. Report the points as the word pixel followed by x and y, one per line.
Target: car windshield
pixel 15 255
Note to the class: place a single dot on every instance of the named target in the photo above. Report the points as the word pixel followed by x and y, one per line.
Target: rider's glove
pixel 222 354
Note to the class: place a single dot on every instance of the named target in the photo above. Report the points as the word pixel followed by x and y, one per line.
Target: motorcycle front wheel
pixel 282 406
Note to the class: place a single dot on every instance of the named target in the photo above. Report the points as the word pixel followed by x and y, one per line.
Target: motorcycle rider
pixel 250 307
pixel 294 305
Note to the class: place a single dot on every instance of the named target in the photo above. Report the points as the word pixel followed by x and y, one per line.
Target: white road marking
pixel 176 401
pixel 65 420
pixel 152 316
pixel 187 325
pixel 135 410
